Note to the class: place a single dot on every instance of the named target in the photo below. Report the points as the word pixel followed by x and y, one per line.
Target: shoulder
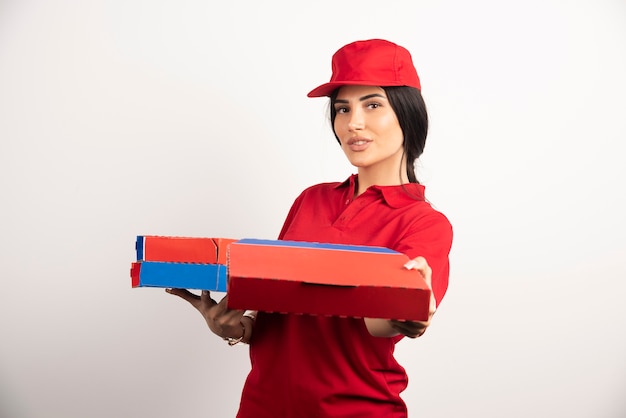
pixel 437 218
pixel 429 224
pixel 418 215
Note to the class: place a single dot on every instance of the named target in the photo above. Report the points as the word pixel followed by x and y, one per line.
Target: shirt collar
pixel 395 196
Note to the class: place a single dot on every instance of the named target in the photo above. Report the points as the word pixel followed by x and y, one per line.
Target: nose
pixel 356 121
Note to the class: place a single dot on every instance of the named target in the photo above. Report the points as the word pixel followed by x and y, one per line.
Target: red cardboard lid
pixel 327 264
pixel 182 249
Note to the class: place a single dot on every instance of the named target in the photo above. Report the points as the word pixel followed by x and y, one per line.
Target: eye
pixel 373 105
pixel 341 109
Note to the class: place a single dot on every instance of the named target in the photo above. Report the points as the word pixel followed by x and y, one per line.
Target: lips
pixel 358 143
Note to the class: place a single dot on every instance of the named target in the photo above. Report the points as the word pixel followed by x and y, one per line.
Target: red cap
pixel 374 62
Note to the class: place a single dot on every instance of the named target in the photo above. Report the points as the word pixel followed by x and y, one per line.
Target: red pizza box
pixel 182 249
pixel 180 262
pixel 324 279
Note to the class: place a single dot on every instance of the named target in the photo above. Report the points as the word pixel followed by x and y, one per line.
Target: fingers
pixel 221 321
pixel 198 302
pixel 420 264
pixel 225 316
pixel 219 312
pixel 184 294
pixel 411 329
pixel 205 298
pixel 225 322
pixel 414 329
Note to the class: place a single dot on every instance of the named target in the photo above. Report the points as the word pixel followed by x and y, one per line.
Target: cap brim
pixel 327 89
pixel 324 90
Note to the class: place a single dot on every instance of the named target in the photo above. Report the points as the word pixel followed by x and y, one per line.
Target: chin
pixel 358 163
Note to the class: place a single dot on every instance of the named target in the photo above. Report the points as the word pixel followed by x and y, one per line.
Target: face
pixel 368 130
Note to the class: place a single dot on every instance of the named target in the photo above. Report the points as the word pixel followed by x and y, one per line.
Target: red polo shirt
pixel 316 366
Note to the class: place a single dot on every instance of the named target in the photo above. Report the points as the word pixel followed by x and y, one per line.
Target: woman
pixel 318 366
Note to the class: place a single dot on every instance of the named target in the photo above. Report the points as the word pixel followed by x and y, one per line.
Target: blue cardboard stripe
pixel 184 276
pixel 139 247
pixel 303 244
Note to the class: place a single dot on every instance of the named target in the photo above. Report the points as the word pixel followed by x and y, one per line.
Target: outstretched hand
pixel 414 329
pixel 222 321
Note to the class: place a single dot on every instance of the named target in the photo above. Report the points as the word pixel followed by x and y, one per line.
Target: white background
pixel 130 117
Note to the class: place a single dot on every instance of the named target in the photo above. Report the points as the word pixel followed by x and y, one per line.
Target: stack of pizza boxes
pixel 286 276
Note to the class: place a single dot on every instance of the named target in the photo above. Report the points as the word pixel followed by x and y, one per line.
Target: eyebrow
pixel 366 97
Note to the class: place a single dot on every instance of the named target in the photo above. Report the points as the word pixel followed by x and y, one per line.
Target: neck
pixel 390 172
pixel 369 178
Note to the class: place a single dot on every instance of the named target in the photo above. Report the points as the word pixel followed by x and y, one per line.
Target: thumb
pixel 420 264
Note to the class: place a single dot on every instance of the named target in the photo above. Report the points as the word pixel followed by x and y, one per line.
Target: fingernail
pixel 168 290
pixel 410 264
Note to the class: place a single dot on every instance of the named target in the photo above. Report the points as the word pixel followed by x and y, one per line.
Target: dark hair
pixel 410 109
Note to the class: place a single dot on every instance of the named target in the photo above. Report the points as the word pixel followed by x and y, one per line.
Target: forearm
pixel 380 327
